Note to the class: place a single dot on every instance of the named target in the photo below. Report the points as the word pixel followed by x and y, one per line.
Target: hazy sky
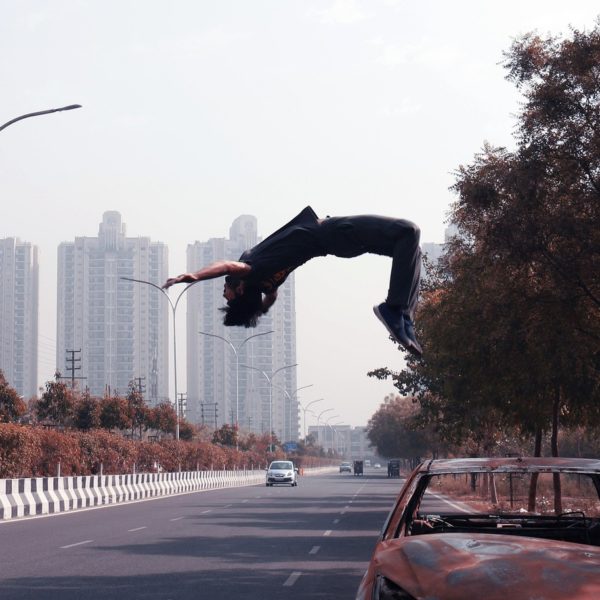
pixel 196 111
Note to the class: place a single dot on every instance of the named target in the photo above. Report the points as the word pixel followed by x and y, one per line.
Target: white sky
pixel 197 111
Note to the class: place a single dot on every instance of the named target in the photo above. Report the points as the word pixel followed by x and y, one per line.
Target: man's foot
pixel 409 328
pixel 395 323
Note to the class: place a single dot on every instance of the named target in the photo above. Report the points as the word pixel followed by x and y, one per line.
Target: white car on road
pixel 282 472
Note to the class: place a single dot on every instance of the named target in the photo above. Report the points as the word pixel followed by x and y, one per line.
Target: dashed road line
pixel 177 519
pixel 291 580
pixel 244 501
pixel 228 506
pixel 328 532
pixel 205 511
pixel 314 549
pixel 77 544
pixel 137 528
pixel 336 521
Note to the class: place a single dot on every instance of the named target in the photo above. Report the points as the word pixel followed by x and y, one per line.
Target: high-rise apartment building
pixel 19 281
pixel 111 332
pixel 234 374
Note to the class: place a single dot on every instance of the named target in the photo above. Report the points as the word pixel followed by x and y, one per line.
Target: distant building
pixel 19 284
pixel 228 374
pixel 434 251
pixel 350 442
pixel 111 332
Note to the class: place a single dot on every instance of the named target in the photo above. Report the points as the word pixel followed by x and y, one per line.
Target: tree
pixel 511 319
pixel 137 409
pixel 392 430
pixel 162 417
pixel 12 406
pixel 114 413
pixel 87 413
pixel 227 435
pixel 57 404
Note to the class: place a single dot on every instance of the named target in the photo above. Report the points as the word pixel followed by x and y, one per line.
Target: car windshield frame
pixel 475 516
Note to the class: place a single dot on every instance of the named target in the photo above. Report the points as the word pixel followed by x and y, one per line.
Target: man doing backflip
pixel 251 282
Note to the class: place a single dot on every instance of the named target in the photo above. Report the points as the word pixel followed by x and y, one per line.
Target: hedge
pixel 30 451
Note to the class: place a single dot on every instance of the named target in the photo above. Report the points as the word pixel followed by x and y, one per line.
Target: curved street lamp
pixel 270 380
pixel 174 310
pixel 237 365
pixel 290 398
pixel 305 409
pixel 319 419
pixel 41 112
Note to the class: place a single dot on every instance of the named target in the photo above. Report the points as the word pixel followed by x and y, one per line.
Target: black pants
pixel 398 238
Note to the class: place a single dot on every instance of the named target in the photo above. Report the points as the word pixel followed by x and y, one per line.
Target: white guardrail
pixel 49 495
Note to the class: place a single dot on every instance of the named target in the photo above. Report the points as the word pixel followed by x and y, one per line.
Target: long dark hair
pixel 245 309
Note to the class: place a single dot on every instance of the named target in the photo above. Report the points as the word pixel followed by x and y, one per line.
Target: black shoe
pixel 409 328
pixel 393 319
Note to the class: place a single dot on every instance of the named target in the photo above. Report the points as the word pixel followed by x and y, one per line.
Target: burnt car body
pixel 493 529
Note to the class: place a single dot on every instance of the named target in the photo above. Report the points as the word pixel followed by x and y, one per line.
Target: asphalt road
pixel 312 541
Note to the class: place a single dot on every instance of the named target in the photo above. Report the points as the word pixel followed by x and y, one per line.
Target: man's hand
pixel 216 269
pixel 186 277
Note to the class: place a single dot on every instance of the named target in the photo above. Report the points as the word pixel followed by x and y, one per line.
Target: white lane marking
pixel 343 512
pixel 177 519
pixel 205 511
pixel 291 580
pixel 336 521
pixel 314 549
pixel 228 505
pixel 77 544
pixel 328 532
pixel 138 528
pixel 441 498
pixel 243 501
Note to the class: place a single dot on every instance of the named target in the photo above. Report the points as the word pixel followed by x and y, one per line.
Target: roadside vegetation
pixel 66 432
pixel 510 317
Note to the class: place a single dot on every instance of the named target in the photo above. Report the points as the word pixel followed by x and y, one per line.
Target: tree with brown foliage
pixel 87 412
pixel 162 417
pixel 114 413
pixel 12 406
pixel 57 404
pixel 510 322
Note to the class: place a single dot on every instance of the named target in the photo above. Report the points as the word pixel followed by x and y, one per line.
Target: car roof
pixel 466 465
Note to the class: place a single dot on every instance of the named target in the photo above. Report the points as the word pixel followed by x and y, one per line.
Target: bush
pixel 28 451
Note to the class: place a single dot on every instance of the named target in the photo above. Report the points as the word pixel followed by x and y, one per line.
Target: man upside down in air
pixel 251 282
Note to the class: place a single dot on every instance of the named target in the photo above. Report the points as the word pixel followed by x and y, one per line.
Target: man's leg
pixel 397 238
pixel 397 312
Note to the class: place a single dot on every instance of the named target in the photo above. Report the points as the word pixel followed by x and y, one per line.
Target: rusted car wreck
pixel 514 528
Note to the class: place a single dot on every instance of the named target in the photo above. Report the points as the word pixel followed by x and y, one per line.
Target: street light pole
pixel 330 427
pixel 237 365
pixel 290 398
pixel 319 419
pixel 174 310
pixel 41 112
pixel 270 380
pixel 305 409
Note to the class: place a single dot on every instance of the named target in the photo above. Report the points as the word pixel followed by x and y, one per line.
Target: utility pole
pixel 182 403
pixel 140 386
pixel 71 362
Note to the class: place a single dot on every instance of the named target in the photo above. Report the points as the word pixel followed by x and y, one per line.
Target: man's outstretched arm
pixel 216 269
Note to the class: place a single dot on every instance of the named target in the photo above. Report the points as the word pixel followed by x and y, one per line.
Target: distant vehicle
pixel 367 463
pixel 282 472
pixel 393 468
pixel 358 467
pixel 377 466
pixel 494 529
pixel 346 467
